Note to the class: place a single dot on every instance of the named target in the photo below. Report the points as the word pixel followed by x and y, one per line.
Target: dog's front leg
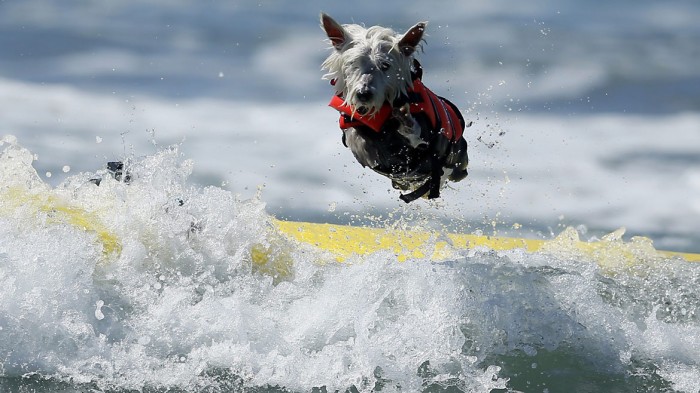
pixel 409 127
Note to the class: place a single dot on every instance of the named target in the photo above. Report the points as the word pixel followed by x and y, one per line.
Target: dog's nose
pixel 364 94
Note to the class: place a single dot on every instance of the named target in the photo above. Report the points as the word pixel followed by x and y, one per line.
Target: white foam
pixel 182 304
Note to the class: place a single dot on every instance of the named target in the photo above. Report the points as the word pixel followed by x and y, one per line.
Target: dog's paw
pixel 409 128
pixel 403 113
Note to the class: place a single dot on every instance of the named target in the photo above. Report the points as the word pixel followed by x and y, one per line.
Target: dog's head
pixel 370 65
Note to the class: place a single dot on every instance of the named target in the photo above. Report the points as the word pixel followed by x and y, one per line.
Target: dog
pixel 391 122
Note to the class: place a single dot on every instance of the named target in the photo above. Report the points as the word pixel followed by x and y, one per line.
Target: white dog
pixel 391 122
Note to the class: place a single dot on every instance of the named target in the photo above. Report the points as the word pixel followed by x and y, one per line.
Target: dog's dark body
pixel 417 154
pixel 388 153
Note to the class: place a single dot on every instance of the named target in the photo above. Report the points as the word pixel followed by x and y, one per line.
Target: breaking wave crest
pixel 155 284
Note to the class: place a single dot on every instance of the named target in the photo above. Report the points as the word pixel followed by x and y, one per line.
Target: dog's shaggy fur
pixel 369 59
pixel 374 67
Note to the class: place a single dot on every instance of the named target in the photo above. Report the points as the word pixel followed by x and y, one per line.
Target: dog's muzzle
pixel 365 93
pixel 363 96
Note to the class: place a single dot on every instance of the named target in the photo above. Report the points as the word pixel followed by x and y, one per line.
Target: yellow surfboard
pixel 15 198
pixel 344 241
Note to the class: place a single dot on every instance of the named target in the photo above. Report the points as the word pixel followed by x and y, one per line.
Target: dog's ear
pixel 411 39
pixel 334 30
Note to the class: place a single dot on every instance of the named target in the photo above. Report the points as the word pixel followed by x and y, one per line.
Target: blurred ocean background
pixel 586 114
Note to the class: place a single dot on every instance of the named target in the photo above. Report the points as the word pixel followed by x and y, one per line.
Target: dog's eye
pixel 384 65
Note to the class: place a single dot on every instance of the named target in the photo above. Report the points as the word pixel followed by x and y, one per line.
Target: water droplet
pixel 98 311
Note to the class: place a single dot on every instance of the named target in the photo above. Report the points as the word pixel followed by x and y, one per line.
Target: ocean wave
pixel 182 302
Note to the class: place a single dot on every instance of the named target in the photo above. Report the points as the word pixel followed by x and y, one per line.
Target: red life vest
pixel 441 113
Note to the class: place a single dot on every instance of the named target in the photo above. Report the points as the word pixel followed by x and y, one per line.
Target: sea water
pixel 179 304
pixel 584 116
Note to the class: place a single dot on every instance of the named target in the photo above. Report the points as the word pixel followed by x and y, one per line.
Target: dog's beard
pixel 366 108
pixel 382 95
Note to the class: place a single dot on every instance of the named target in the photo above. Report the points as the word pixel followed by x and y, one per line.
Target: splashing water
pixel 157 284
